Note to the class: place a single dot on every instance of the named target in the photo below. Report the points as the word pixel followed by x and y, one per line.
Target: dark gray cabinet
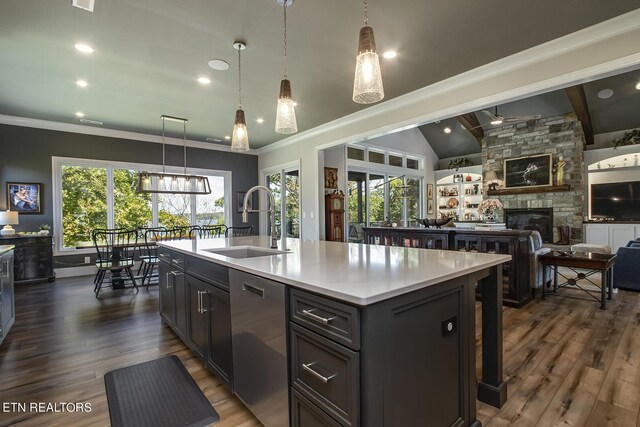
pixel 7 300
pixel 195 304
pixel 33 258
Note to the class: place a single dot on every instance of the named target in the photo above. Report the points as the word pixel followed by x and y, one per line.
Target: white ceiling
pixel 149 54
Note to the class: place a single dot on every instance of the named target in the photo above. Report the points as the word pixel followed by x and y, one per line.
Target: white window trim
pixel 282 169
pixel 56 167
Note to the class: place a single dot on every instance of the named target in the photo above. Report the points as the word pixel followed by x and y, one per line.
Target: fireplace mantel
pixel 529 190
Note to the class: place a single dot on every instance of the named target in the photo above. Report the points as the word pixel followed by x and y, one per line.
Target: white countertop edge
pixel 342 296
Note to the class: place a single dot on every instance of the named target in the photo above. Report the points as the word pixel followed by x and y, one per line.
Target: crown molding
pixel 600 32
pixel 111 133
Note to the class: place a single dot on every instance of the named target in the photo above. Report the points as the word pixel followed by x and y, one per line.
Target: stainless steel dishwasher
pixel 259 337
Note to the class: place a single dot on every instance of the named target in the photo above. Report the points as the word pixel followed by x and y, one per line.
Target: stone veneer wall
pixel 559 136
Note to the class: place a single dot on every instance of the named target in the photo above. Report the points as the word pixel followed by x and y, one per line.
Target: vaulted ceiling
pixel 148 55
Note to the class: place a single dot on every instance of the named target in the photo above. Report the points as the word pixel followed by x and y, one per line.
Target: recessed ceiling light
pixel 447 130
pixel 79 114
pixel 84 48
pixel 204 80
pixel 605 93
pixel 390 54
pixel 227 137
pixel 638 85
pixel 260 120
pixel 219 64
pixel 82 83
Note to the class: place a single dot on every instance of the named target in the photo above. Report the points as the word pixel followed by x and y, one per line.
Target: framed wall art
pixel 531 171
pixel 24 197
pixel 330 177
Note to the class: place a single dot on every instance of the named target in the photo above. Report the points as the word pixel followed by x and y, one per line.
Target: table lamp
pixel 8 218
pixel 491 178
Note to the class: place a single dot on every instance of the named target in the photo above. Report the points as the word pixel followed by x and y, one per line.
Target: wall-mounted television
pixel 617 200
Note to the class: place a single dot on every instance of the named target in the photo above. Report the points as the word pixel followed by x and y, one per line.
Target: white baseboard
pixel 88 270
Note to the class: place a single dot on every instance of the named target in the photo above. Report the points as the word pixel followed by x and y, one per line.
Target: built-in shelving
pixel 458 196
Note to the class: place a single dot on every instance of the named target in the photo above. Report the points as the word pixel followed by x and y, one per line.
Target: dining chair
pixel 207 231
pixel 150 251
pixel 143 253
pixel 238 231
pixel 115 250
pixel 182 232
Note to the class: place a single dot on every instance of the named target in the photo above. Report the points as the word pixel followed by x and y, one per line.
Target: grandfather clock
pixel 334 215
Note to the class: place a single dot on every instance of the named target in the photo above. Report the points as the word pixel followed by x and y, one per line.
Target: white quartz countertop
pixel 352 272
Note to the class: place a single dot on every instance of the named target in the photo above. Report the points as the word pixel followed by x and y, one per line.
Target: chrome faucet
pixel 271 208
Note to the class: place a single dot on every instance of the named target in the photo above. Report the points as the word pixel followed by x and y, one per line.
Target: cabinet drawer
pixel 207 271
pixel 326 373
pixel 306 414
pixel 174 258
pixel 334 320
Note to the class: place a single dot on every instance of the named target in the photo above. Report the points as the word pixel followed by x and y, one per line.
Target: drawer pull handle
pixel 307 367
pixel 176 260
pixel 177 273
pixel 311 315
pixel 253 289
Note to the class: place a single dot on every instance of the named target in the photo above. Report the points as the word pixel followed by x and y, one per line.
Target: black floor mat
pixel 157 393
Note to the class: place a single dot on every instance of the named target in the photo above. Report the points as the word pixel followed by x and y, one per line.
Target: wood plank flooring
pixel 566 361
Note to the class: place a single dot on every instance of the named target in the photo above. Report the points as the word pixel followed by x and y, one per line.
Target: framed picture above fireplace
pixel 531 171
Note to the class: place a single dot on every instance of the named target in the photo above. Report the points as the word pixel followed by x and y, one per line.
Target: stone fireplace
pixel 538 219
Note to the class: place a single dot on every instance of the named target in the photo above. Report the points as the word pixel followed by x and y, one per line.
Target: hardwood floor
pixel 566 361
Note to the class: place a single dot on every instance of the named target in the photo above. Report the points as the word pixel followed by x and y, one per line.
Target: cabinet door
pixel 167 300
pixel 597 234
pixel 180 301
pixel 218 309
pixel 619 235
pixel 197 330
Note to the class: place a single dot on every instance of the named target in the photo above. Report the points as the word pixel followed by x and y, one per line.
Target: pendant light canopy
pixel 367 85
pixel 172 183
pixel 240 136
pixel 286 109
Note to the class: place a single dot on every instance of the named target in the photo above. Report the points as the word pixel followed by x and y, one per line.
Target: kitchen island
pixel 332 334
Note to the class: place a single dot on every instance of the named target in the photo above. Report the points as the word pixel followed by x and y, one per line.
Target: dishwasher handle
pixel 253 289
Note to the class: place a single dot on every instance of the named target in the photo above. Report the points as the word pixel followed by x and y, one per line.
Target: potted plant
pixel 459 162
pixel 45 229
pixel 629 138
pixel 488 209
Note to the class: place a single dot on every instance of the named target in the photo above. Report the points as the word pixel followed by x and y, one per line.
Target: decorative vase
pixel 490 216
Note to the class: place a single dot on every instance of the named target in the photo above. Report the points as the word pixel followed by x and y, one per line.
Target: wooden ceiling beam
pixel 578 100
pixel 471 124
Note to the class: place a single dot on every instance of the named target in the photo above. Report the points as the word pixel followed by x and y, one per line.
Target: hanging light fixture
pixel 240 136
pixel 172 183
pixel 367 85
pixel 403 189
pixel 286 109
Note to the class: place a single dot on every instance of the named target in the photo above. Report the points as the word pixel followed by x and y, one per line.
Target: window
pixel 376 157
pixel 355 153
pixel 413 163
pixel 395 160
pixel 287 207
pixel 92 194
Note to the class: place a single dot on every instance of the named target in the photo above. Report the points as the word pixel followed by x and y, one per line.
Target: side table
pixel 592 262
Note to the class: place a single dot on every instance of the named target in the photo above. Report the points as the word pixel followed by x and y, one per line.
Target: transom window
pixel 93 194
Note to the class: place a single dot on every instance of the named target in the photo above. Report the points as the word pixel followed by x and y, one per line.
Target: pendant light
pixel 367 85
pixel 171 183
pixel 240 136
pixel 286 109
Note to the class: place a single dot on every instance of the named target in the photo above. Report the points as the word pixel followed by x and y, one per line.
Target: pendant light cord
pixel 285 39
pixel 366 16
pixel 184 138
pixel 239 81
pixel 163 146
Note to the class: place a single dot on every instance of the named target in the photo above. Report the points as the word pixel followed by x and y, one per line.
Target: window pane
pixel 396 202
pixel 210 207
pixel 84 203
pixel 174 210
pixel 413 201
pixel 395 160
pixel 357 198
pixel 131 209
pixel 355 153
pixel 413 163
pixel 376 157
pixel 274 184
pixel 376 199
pixel 293 204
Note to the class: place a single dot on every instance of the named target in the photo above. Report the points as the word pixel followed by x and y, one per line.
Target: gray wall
pixel 25 155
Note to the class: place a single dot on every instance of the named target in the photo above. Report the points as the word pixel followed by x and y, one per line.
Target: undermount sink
pixel 246 252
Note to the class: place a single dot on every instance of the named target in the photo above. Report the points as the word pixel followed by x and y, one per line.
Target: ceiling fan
pixel 497 119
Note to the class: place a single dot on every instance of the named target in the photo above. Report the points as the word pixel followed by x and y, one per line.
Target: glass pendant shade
pixel 286 110
pixel 240 136
pixel 367 84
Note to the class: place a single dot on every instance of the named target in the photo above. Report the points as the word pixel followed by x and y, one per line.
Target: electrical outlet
pixel 87 260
